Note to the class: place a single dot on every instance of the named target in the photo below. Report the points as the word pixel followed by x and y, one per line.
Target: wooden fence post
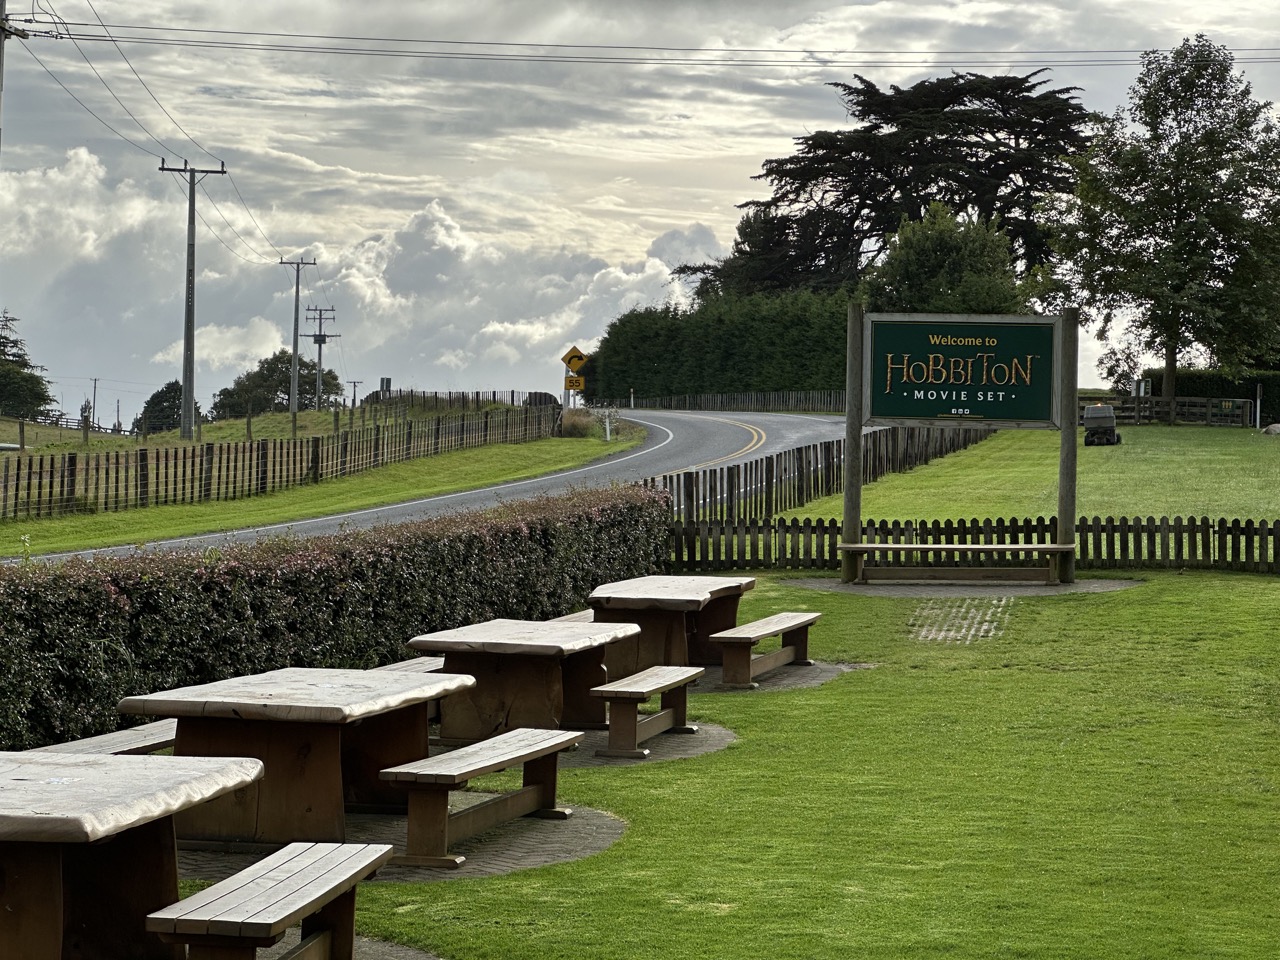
pixel 144 478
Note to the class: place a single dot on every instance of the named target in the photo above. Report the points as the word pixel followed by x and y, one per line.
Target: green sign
pixel 946 369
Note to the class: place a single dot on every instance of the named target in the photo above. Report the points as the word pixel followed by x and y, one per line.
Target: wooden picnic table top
pixel 300 695
pixel 667 592
pixel 78 798
pixel 551 638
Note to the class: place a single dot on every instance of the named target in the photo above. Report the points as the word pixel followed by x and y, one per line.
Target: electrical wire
pixel 138 76
pixel 624 53
pixel 86 107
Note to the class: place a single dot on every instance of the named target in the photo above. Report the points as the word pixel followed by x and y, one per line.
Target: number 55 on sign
pixel 575 383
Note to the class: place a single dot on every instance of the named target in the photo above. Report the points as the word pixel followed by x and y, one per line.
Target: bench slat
pixel 270 896
pixel 144 738
pixel 768 627
pixel 643 685
pixel 497 753
pixel 415 665
pixel 578 616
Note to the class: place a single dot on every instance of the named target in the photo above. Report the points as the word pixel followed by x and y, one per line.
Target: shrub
pixel 80 635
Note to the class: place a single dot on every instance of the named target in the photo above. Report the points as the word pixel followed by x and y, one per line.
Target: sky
pixel 482 185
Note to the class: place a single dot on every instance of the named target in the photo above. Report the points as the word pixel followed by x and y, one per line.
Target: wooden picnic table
pixel 323 734
pixel 87 848
pixel 676 615
pixel 529 673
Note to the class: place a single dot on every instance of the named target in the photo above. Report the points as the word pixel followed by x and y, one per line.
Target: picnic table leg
pixel 299 797
pixel 109 888
pixel 662 641
pixel 31 900
pixel 581 672
pixel 376 743
pixel 720 613
pixel 624 732
pixel 510 691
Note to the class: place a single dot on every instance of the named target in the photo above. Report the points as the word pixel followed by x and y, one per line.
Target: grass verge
pixel 397 483
pixel 1099 779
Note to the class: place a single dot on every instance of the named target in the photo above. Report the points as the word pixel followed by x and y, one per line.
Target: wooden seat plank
pixel 740 666
pixel 487 756
pixel 261 902
pixel 144 738
pixel 627 729
pixel 432 826
pixel 415 665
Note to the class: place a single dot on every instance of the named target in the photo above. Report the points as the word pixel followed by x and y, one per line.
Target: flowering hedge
pixel 78 636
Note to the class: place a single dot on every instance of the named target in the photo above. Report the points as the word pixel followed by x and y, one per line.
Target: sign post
pixel 574 360
pixel 955 370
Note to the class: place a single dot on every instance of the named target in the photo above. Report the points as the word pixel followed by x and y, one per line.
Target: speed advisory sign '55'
pixel 943 368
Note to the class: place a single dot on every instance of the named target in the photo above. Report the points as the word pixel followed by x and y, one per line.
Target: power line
pixel 86 107
pixel 171 117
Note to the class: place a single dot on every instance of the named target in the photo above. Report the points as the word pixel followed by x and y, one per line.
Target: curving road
pixel 677 441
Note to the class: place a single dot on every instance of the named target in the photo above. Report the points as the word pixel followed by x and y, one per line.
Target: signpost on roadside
pixel 951 370
pixel 573 360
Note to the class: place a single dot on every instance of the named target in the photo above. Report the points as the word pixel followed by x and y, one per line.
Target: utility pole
pixel 6 32
pixel 187 431
pixel 351 421
pixel 320 338
pixel 293 375
pixel 93 409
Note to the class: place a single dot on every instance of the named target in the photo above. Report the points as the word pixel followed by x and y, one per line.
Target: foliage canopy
pixel 24 393
pixel 1174 226
pixel 266 389
pixel 988 147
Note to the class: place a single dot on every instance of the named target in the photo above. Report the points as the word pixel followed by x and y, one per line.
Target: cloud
pixel 233 348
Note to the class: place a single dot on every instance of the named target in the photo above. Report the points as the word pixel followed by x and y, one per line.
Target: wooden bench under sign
pixel 432 827
pixel 740 665
pixel 627 729
pixel 144 738
pixel 1046 573
pixel 314 883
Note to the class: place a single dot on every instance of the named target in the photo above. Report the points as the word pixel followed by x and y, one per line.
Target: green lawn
pixel 1156 471
pixel 1101 780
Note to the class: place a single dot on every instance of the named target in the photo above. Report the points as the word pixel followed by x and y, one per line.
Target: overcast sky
pixel 479 202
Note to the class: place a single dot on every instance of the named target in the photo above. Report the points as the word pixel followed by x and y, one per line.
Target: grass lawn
pixel 1100 780
pixel 397 483
pixel 1156 471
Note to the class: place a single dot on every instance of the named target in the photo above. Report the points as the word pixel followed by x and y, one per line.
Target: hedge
pixel 78 636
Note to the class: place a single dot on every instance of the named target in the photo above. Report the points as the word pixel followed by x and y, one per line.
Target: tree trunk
pixel 1170 373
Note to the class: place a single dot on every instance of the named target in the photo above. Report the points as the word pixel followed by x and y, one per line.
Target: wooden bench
pixel 1048 552
pixel 432 827
pixel 627 730
pixel 415 665
pixel 314 883
pixel 740 666
pixel 578 616
pixel 144 738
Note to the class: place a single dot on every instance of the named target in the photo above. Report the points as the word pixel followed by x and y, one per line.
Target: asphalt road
pixel 677 441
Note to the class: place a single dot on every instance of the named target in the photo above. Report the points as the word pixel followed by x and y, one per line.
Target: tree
pixel 988 147
pixel 1174 227
pixel 24 392
pixel 940 265
pixel 266 388
pixel 162 411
